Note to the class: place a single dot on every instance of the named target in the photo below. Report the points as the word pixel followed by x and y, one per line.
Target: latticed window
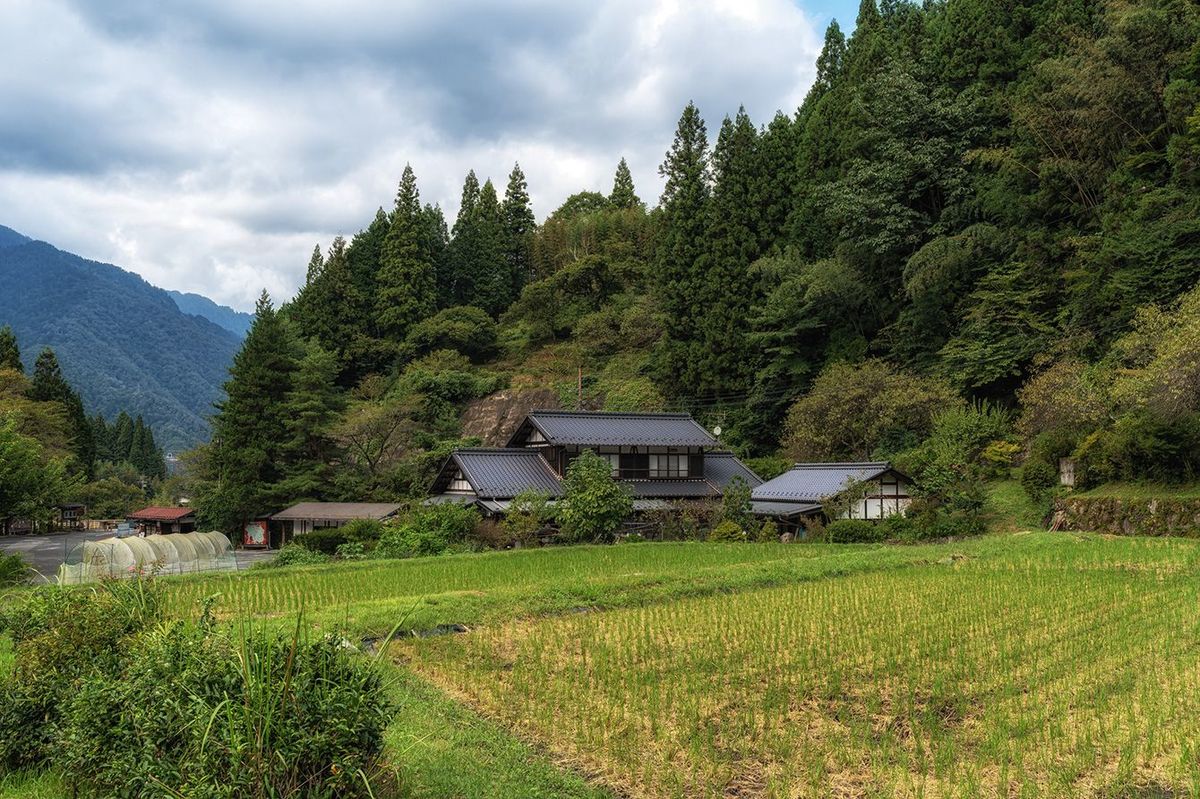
pixel 668 465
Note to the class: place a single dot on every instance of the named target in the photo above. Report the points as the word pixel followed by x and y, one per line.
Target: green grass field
pixel 1024 664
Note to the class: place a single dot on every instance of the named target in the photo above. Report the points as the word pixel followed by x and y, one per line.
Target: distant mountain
pixel 237 322
pixel 123 344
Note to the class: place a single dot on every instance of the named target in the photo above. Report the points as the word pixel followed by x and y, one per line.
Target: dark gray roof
pixel 338 511
pixel 721 467
pixel 671 488
pixel 595 428
pixel 811 482
pixel 504 473
pixel 776 508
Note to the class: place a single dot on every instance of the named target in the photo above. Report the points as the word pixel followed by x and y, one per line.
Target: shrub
pixel 351 550
pixel 726 532
pixel 323 540
pixel 463 328
pixel 898 527
pixel 594 506
pixel 230 716
pixel 13 570
pixel 1037 478
pixel 528 515
pixel 492 534
pixel 363 531
pixel 294 554
pixel 853 531
pixel 768 532
pixel 998 457
pixel 735 504
pixel 427 530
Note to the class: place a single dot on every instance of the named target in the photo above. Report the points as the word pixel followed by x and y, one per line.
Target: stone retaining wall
pixel 1156 516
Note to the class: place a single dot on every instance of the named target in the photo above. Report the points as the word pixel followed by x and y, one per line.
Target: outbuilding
pixel 806 488
pixel 163 520
pixel 305 517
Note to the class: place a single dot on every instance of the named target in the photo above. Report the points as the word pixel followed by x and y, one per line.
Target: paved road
pixel 46 552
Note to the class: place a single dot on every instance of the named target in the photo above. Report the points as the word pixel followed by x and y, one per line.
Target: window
pixel 614 462
pixel 459 483
pixel 668 465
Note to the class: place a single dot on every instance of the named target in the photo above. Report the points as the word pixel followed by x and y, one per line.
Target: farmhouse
pixel 804 490
pixel 660 457
pixel 308 516
pixel 163 520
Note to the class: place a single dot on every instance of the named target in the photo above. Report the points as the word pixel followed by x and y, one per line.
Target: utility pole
pixel 579 389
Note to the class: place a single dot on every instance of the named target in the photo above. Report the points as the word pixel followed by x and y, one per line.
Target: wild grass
pixel 1067 667
pixel 1144 491
pixel 1008 509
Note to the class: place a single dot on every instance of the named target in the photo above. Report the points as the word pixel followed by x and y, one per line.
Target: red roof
pixel 156 514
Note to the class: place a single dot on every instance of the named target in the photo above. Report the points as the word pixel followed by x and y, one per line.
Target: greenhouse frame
pixel 174 553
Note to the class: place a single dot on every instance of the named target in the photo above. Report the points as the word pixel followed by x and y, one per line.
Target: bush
pixel 363 531
pixel 294 554
pixel 898 527
pixel 227 716
pixel 351 550
pixel 323 540
pixel 853 531
pixel 768 532
pixel 727 532
pixel 463 328
pixel 1038 478
pixel 528 515
pixel 13 570
pixel 427 530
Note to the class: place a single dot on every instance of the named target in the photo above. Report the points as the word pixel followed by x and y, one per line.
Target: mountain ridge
pixel 122 342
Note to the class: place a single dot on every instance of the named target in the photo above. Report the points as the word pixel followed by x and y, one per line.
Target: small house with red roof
pixel 163 520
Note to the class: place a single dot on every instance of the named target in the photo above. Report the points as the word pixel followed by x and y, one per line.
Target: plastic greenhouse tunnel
pixel 176 553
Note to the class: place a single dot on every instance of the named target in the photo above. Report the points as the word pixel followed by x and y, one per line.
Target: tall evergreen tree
pixel 436 241
pixel 462 255
pixel 10 353
pixel 122 438
pixel 494 283
pixel 315 264
pixel 681 243
pixel 519 227
pixel 623 195
pixel 250 427
pixel 830 62
pixel 407 282
pixel 48 385
pixel 312 406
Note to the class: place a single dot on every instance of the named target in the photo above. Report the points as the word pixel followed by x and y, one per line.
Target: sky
pixel 208 146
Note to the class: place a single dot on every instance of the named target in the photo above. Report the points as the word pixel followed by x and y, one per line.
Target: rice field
pixel 1026 666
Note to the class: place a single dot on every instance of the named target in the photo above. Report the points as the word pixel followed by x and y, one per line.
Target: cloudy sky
pixel 208 146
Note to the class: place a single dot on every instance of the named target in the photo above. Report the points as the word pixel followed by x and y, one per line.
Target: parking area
pixel 45 553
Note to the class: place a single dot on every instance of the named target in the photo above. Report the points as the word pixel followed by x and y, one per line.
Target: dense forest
pixel 978 235
pixel 51 452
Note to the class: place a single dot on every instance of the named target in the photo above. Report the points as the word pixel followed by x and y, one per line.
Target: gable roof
pixel 720 467
pixel 156 513
pixel 597 428
pixel 811 482
pixel 338 510
pixel 504 473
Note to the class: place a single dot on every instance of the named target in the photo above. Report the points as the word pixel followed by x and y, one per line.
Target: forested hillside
pixel 235 322
pixel 966 249
pixel 123 343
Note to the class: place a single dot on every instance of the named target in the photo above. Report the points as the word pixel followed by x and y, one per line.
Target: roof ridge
pixel 499 450
pixel 658 414
pixel 827 464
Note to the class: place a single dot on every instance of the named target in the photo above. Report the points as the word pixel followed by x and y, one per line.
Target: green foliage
pixel 462 328
pixel 1038 478
pixel 110 498
pixel 528 515
pixel 950 465
pixel 30 483
pixel 856 411
pixel 768 532
pixel 10 352
pixel 363 530
pixel 853 531
pixel 13 570
pixel 727 532
pixel 407 279
pixel 324 540
pixel 427 530
pixel 623 194
pixel 295 553
pixel 735 504
pixel 594 506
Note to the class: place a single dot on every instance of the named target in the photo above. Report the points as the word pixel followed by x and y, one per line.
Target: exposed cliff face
pixel 495 417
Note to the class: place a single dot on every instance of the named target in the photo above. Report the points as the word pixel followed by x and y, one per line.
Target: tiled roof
pixel 811 482
pixel 594 428
pixel 338 510
pixel 721 467
pixel 504 473
pixel 690 489
pixel 160 514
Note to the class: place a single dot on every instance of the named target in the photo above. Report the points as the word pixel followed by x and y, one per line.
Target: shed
pixel 305 517
pixel 163 520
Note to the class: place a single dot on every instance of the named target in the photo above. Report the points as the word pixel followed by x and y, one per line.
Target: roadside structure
pixel 662 458
pixel 163 520
pixel 305 517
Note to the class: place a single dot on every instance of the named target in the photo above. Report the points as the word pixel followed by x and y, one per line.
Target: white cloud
pixel 208 150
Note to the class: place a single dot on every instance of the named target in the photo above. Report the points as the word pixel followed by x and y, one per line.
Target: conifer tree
pixel 102 435
pixel 681 243
pixel 48 385
pixel 461 253
pixel 623 195
pixel 519 227
pixel 250 427
pixel 725 361
pixel 407 283
pixel 436 241
pixel 494 282
pixel 122 437
pixel 315 264
pixel 312 406
pixel 10 353
pixel 830 62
